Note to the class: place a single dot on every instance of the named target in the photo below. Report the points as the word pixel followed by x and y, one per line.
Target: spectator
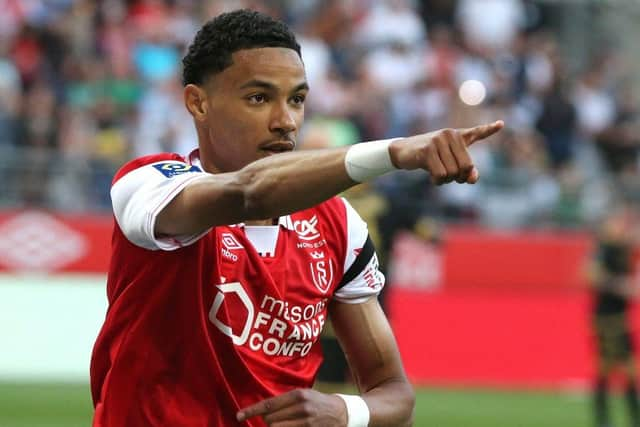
pixel 81 79
pixel 619 142
pixel 557 123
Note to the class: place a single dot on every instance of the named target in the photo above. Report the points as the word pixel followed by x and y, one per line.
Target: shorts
pixel 613 337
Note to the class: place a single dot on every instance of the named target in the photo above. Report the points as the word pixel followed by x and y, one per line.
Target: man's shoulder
pixel 146 160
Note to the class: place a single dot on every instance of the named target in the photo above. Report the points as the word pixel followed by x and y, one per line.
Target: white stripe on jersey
pixel 140 195
pixel 370 280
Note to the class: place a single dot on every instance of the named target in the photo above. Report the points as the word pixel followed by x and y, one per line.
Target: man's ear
pixel 195 99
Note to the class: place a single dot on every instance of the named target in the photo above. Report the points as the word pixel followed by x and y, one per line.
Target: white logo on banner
pixel 35 241
pixel 415 264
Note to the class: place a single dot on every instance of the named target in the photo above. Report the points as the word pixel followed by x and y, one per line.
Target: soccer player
pixel 227 262
pixel 614 285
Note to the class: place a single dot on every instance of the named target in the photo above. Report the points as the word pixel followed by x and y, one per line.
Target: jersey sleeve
pixel 363 278
pixel 140 192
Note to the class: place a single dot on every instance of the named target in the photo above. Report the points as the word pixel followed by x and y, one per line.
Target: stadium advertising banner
pixel 467 259
pixel 478 307
pixel 37 241
pixel 507 309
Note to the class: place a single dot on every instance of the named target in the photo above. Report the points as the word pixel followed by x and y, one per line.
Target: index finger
pixel 476 133
pixel 267 406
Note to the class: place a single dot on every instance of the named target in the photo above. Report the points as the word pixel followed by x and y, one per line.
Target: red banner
pixel 472 259
pixel 510 309
pixel 38 241
pixel 494 339
pixel 517 260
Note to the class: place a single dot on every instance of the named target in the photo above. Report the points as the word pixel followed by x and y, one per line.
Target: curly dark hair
pixel 219 38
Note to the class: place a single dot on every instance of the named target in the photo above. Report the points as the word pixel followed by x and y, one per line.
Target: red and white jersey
pixel 201 326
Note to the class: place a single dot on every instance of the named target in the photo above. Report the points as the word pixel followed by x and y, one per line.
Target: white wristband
pixel 368 160
pixel 357 410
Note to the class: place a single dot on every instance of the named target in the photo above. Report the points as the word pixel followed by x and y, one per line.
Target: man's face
pixel 254 108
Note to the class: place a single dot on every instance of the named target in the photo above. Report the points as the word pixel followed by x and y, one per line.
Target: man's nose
pixel 283 120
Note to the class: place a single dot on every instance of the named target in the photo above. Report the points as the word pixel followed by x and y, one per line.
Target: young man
pixel 227 262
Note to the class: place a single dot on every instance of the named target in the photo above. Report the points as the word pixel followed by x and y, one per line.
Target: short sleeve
pixel 367 280
pixel 140 195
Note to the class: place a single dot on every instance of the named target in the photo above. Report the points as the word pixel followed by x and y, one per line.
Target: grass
pixel 69 405
pixel 480 408
pixel 45 405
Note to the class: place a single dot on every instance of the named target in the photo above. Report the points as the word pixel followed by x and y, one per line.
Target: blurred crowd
pixel 86 85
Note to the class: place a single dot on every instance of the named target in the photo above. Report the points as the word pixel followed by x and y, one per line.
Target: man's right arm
pixel 267 188
pixel 289 182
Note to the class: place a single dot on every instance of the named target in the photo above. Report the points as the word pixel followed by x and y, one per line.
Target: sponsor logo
pixel 234 287
pixel 307 229
pixel 307 245
pixel 170 169
pixel 272 326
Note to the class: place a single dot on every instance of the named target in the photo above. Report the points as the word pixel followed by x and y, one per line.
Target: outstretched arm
pixel 288 182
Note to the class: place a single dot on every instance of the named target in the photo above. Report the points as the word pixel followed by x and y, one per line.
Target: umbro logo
pixel 229 241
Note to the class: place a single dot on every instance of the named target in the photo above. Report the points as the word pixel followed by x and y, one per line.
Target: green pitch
pixel 69 405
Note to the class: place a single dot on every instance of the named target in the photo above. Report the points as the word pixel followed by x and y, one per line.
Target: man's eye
pixel 298 99
pixel 257 99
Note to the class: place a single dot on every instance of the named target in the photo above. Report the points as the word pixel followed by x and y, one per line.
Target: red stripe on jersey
pixel 146 160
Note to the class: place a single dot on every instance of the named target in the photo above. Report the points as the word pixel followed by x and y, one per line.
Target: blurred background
pixel 487 287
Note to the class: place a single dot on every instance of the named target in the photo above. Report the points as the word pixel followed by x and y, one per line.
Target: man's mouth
pixel 278 147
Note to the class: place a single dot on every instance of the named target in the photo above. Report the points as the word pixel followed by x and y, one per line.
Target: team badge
pixel 321 271
pixel 170 169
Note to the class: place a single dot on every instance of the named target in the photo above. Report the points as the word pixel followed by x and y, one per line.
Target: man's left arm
pixel 387 398
pixel 370 347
